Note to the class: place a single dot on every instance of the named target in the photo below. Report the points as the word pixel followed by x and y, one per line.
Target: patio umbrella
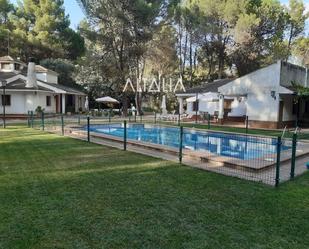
pixel 163 105
pixel 107 99
pixel 87 103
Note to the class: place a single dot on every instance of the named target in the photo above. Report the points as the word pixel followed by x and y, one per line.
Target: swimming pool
pixel 221 144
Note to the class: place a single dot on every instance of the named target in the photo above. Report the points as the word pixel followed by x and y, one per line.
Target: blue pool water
pixel 223 144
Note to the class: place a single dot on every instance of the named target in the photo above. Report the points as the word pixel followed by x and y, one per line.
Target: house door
pixel 281 105
pixel 57 104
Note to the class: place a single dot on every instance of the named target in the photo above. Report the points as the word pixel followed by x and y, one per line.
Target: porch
pixel 69 103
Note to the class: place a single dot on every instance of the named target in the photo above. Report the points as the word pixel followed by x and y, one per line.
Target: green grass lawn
pixel 56 192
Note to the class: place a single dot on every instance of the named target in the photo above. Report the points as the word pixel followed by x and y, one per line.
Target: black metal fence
pixel 270 160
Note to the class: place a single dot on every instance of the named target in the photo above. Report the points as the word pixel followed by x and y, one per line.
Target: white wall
pixel 41 77
pixel 51 78
pixel 210 107
pixel 239 107
pixel 10 69
pixel 22 102
pixel 265 79
pixel 42 102
pixel 262 107
pixel 47 77
pixel 17 103
pixel 257 86
pixel 190 108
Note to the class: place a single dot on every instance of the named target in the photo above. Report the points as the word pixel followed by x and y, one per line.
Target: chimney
pixel 31 75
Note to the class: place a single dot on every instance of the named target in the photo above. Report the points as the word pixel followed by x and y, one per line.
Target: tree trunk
pixel 180 46
pixel 125 104
pixel 184 55
pixel 191 60
pixel 221 61
pixel 139 95
pixel 290 41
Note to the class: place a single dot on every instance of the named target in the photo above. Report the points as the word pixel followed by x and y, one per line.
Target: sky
pixel 72 8
pixel 76 14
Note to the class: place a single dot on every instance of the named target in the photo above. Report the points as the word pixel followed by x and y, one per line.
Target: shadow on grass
pixel 164 207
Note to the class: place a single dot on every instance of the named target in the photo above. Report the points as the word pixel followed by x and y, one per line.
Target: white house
pixel 266 96
pixel 270 97
pixel 28 87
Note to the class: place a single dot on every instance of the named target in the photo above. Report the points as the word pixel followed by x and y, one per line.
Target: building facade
pixel 29 87
pixel 266 97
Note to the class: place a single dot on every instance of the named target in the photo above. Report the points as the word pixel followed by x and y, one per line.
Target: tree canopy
pixel 197 40
pixel 38 28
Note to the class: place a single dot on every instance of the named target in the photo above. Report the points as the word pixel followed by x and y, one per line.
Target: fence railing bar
pixel 279 143
pixel 180 143
pixel 293 158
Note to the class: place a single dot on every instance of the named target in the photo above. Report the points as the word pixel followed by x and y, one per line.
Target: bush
pixel 39 109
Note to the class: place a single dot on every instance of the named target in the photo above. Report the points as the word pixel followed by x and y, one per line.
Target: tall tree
pixel 259 36
pixel 301 50
pixel 65 70
pixel 297 17
pixel 121 30
pixel 41 28
pixel 5 9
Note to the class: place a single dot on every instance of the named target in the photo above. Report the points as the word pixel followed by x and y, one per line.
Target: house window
pixel 6 100
pixel 307 106
pixel 294 108
pixel 48 101
pixel 17 66
pixel 195 106
pixel 6 66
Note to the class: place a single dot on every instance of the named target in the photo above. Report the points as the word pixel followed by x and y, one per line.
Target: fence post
pixel 278 161
pixel 31 119
pixel 208 121
pixel 294 145
pixel 109 116
pixel 78 118
pixel 178 118
pixel 43 124
pixel 155 117
pixel 124 135
pixel 247 122
pixel 180 143
pixel 88 129
pixel 296 122
pixel 196 107
pixel 134 116
pixel 62 125
pixel 28 119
